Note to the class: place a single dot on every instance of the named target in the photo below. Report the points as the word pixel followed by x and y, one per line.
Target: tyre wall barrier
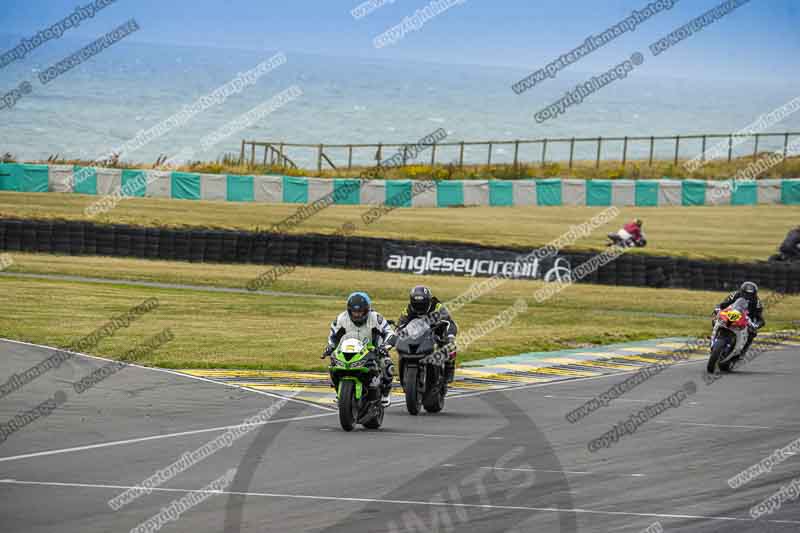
pixel 230 246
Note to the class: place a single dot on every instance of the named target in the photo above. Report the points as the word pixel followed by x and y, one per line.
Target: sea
pixel 131 87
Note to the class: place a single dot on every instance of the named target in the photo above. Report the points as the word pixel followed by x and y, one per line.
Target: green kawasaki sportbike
pixel 356 374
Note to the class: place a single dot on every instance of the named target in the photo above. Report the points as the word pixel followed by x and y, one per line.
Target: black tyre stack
pixel 28 236
pixel 182 245
pixel 166 244
pixel 152 237
pixel 86 238
pixel 198 246
pixel 138 242
pixel 13 235
pixel 244 247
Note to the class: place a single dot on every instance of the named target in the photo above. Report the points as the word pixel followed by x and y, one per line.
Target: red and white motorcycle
pixel 729 336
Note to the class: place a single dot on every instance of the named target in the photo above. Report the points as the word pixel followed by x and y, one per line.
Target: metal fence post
pixel 489 159
pixel 625 151
pixel 730 148
pixel 652 145
pixel 544 151
pixel 755 148
pixel 266 152
pixel 349 156
pixel 677 148
pixel 241 155
pixel 785 151
pixel 461 156
pixel 516 154
pixel 282 158
pixel 253 154
pixel 703 150
pixel 319 159
pixel 599 145
pixel 379 154
pixel 433 155
pixel 405 154
pixel 571 151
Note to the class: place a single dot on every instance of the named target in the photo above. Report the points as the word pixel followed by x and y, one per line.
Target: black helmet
pixel 358 307
pixel 420 299
pixel 749 290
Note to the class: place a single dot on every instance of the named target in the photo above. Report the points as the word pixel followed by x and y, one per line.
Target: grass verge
pixel 252 331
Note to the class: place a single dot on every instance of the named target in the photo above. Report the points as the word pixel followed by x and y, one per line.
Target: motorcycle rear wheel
pixel 435 392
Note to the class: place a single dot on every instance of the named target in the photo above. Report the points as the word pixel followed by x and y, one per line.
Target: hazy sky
pixel 759 40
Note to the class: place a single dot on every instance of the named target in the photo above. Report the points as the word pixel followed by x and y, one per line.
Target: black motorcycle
pixel 422 353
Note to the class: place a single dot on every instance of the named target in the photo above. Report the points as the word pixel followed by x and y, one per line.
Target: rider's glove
pixel 327 351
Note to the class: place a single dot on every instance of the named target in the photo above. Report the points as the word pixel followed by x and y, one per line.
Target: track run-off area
pixel 500 457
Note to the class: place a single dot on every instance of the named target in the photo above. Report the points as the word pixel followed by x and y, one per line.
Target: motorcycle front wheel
pixel 413 396
pixel 348 409
pixel 717 353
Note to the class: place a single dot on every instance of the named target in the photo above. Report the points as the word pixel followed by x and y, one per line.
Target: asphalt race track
pixel 491 462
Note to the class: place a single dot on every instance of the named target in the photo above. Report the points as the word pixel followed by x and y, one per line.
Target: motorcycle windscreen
pixel 416 337
pixel 741 305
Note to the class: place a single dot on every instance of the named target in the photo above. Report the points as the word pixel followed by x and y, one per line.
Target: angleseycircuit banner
pixel 460 261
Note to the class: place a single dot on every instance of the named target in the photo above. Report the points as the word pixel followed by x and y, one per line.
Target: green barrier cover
pixel 790 192
pixel 646 193
pixel 693 192
pixel 34 178
pixel 185 186
pixel 10 176
pixel 295 190
pixel 744 193
pixel 501 193
pixel 598 192
pixel 240 189
pixel 133 183
pixel 449 193
pixel 346 192
pixel 85 180
pixel 398 193
pixel 548 192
